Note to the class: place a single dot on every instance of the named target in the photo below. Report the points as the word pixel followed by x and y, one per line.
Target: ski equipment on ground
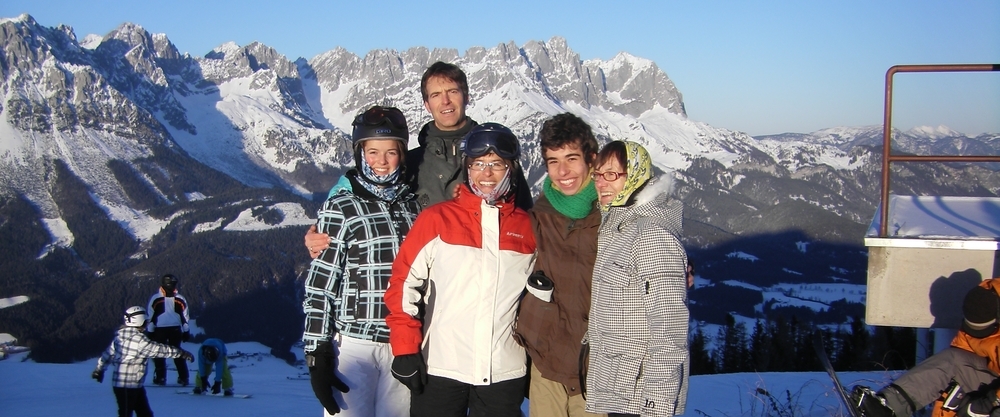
pixel 215 395
pixel 825 361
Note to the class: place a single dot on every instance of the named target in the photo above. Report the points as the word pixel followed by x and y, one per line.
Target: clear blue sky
pixel 760 67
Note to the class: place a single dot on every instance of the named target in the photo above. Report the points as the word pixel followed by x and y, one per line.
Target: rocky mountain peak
pixel 26 44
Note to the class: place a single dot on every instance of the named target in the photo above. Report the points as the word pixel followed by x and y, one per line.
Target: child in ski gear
pixel 213 354
pixel 344 309
pixel 972 362
pixel 128 354
pixel 638 328
pixel 455 288
pixel 168 323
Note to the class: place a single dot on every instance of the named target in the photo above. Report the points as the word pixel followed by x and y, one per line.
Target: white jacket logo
pixel 517 235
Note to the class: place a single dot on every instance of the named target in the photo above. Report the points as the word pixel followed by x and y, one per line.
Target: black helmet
pixel 168 283
pixel 380 123
pixel 211 353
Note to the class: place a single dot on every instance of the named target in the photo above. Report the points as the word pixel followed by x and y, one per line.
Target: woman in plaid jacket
pixel 638 328
pixel 345 334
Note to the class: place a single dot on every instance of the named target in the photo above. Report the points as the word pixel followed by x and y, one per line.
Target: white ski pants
pixel 366 367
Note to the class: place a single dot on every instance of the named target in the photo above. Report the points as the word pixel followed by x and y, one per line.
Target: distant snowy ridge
pixel 13 301
pixel 264 120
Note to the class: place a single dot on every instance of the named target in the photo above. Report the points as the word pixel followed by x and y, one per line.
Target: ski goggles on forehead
pixel 377 115
pixel 488 140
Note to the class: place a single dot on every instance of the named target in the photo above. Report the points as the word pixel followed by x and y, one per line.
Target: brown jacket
pixel 552 332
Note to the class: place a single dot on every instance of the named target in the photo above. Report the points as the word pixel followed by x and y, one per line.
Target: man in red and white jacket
pixel 455 287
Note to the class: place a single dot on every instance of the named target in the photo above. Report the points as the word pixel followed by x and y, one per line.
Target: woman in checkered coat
pixel 638 329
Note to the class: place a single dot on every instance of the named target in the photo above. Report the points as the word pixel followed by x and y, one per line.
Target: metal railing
pixel 888 157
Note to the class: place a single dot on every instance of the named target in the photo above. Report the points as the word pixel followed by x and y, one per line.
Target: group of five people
pixel 428 299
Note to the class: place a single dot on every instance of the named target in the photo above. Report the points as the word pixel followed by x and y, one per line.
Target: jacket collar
pixel 470 201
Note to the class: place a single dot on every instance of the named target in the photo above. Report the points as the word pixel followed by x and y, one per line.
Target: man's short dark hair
pixel 449 71
pixel 567 129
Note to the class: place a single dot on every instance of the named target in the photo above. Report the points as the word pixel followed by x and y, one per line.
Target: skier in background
pixel 168 323
pixel 213 353
pixel 128 353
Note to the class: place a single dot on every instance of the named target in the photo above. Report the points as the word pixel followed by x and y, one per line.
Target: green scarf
pixel 575 206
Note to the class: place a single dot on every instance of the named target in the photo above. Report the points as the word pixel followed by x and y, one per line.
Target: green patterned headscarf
pixel 639 169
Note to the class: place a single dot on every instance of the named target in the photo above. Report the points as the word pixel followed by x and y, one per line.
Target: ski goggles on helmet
pixel 378 115
pixel 491 137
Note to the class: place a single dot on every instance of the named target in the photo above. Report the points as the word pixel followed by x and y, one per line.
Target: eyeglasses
pixel 608 176
pixel 497 166
pixel 377 115
pixel 491 137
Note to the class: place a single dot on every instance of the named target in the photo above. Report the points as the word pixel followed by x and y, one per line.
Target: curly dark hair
pixel 566 129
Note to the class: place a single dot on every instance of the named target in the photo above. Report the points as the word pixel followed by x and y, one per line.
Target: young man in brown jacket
pixel 565 219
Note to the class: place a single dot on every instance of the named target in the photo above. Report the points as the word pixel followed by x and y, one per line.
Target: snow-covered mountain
pixel 266 121
pixel 120 157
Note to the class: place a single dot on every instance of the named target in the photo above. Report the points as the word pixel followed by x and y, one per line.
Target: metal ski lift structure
pixel 926 252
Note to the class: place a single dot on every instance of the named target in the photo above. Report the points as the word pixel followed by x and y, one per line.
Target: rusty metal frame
pixel 888 157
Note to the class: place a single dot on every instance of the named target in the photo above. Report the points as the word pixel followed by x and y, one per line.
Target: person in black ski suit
pixel 168 323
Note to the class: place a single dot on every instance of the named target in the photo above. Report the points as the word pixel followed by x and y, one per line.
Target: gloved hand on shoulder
pixel 322 366
pixel 411 371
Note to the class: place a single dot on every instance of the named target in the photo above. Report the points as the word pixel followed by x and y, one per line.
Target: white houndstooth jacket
pixel 638 331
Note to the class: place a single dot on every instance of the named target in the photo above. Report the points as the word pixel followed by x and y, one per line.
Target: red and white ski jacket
pixel 455 288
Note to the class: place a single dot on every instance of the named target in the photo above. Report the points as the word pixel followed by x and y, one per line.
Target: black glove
pixel 540 286
pixel 539 281
pixel 217 387
pixel 977 404
pixel 411 371
pixel 322 364
pixel 204 383
pixel 98 375
pixel 186 336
